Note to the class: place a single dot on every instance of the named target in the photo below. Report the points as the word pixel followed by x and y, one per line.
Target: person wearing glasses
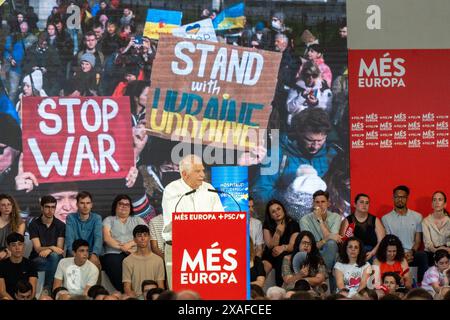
pixel 118 236
pixel 47 234
pixel 406 224
pixel 305 263
pixel 86 225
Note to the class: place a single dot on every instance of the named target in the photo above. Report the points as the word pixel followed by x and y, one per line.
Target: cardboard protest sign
pixel 76 139
pixel 210 93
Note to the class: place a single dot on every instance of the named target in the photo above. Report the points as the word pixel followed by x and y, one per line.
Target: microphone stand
pixel 227 193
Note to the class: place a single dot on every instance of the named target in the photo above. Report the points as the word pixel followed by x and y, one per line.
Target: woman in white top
pixel 436 227
pixel 352 272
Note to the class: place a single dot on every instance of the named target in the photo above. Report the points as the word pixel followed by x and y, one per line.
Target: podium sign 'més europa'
pixel 210 254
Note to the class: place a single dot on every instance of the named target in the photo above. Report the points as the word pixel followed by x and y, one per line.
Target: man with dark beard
pixel 407 225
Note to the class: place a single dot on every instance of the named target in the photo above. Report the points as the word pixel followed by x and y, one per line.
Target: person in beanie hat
pixel 89 58
pixel 31 86
pixel 84 82
pixel 33 82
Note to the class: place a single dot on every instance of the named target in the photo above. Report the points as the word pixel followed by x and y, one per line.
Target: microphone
pixel 186 194
pixel 227 193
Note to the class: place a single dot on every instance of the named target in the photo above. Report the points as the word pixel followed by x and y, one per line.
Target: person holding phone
pixel 311 91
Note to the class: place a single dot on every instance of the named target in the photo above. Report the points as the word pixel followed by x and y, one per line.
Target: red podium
pixel 209 254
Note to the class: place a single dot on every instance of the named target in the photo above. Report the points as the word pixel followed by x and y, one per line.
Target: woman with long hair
pixel 352 271
pixel 279 231
pixel 436 227
pixel 10 221
pixel 305 262
pixel 390 257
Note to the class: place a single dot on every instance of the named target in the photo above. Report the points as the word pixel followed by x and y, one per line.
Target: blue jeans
pixel 329 252
pixel 49 265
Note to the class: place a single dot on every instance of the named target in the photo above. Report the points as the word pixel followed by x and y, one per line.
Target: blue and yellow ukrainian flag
pixel 230 18
pixel 161 21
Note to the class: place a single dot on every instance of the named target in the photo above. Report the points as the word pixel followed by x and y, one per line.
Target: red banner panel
pixel 399 116
pixel 75 139
pixel 210 254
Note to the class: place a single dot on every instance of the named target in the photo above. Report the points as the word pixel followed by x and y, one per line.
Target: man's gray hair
pixel 276 293
pixel 187 162
pixel 282 37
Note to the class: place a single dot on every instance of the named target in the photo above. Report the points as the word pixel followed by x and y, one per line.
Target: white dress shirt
pixel 200 201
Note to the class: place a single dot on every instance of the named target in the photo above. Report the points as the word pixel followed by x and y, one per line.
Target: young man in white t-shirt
pixel 77 273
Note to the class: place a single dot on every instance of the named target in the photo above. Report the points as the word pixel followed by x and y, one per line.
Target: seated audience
pixel 435 277
pixel 395 223
pixel 391 258
pixel 280 232
pixel 16 268
pixel 142 264
pixel 24 291
pixel 305 263
pixel 118 237
pixel 10 221
pixel 352 271
pixel 436 227
pixel 77 273
pixel 364 226
pixel 391 281
pixel 47 235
